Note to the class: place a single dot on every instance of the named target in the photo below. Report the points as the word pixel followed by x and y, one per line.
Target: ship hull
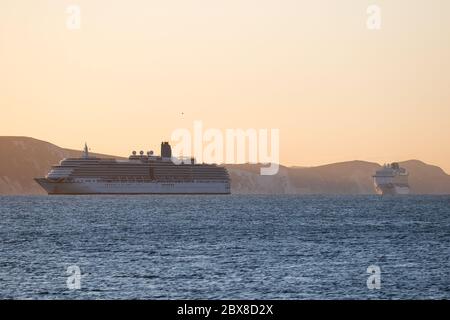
pixel 100 187
pixel 391 189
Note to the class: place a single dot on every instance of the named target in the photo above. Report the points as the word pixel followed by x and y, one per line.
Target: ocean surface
pixel 224 247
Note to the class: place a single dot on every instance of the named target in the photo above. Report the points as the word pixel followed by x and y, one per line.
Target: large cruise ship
pixel 392 180
pixel 140 174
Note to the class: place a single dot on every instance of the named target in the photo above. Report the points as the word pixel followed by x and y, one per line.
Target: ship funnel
pixel 166 150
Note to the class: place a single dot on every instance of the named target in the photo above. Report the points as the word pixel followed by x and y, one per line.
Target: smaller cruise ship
pixel 391 180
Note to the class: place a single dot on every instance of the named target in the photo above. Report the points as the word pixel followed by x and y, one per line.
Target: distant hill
pixel 426 179
pixel 22 159
pixel 352 177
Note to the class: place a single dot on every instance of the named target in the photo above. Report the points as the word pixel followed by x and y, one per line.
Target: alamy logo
pixel 73 21
pixel 232 146
pixel 374 18
pixel 374 280
pixel 74 278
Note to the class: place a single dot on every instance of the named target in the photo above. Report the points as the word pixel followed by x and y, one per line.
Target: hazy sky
pixel 336 90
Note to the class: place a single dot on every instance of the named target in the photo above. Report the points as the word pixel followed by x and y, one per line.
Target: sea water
pixel 224 247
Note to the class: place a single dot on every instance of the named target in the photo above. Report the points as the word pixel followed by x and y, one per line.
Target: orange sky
pixel 336 90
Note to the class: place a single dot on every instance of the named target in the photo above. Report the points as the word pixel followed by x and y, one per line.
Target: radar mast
pixel 86 151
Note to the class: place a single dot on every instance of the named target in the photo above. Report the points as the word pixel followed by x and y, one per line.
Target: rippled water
pixel 230 247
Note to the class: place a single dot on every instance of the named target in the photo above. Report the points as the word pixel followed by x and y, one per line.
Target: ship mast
pixel 86 151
